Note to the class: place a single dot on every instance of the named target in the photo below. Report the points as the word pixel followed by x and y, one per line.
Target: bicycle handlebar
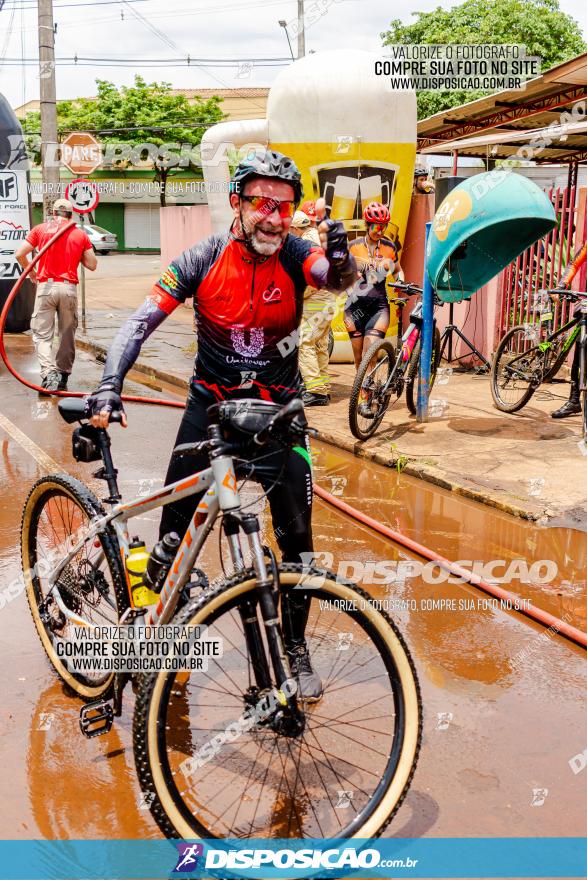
pixel 288 416
pixel 406 286
pixel 288 413
pixel 568 294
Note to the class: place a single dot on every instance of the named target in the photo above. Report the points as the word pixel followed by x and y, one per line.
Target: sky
pixel 143 30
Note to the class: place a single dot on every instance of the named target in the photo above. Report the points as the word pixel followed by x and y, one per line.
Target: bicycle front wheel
pixel 368 404
pixel 517 370
pixel 58 510
pixel 208 774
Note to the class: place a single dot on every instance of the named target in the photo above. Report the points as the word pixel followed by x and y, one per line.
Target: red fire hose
pixel 536 614
pixel 543 617
pixel 4 315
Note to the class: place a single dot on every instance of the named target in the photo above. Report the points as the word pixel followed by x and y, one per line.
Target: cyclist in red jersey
pixel 247 285
pixel 573 405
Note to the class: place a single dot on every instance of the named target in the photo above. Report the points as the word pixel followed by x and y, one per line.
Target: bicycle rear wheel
pixel 57 511
pixel 517 370
pixel 367 404
pixel 345 774
pixel 413 378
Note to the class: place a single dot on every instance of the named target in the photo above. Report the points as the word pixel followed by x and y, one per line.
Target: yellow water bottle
pixel 136 565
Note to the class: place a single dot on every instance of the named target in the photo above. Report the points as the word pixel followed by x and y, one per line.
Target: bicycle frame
pixel 221 494
pixel 544 346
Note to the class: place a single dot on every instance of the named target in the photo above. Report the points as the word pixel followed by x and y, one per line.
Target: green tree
pixel 539 25
pixel 144 113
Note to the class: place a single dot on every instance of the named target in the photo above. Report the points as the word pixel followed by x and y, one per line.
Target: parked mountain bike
pixel 531 354
pixel 385 371
pixel 284 772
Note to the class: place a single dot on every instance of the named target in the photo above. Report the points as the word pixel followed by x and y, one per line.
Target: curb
pixel 437 478
pixel 411 467
pixel 100 352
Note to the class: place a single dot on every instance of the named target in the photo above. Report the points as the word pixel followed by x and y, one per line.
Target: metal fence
pixel 539 267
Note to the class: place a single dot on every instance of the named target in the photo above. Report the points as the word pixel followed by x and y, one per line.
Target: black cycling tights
pixel 290 501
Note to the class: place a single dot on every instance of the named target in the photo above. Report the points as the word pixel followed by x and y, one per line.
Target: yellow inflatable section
pixel 354 140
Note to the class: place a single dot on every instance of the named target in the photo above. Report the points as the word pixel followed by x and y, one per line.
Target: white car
pixel 102 241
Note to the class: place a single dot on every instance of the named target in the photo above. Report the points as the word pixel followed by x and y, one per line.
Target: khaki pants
pixel 317 315
pixel 55 298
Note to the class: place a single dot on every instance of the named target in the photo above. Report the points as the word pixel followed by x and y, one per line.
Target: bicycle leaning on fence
pixel 531 354
pixel 210 762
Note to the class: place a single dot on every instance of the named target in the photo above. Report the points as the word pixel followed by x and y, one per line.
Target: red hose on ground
pixel 13 293
pixel 542 617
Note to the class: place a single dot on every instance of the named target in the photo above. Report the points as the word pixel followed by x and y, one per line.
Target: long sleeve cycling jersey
pixel 248 309
pixel 575 265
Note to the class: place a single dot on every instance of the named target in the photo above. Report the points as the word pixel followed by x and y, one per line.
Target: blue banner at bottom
pixel 388 858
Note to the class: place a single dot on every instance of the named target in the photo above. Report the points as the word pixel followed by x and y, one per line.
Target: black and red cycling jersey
pixel 248 309
pixel 370 291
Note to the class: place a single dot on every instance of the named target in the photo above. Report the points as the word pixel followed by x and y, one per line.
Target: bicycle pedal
pixel 96 718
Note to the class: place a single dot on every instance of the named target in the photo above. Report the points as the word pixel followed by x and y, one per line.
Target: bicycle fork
pixel 288 719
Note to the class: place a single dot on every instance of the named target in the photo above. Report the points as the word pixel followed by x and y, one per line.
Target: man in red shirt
pixel 56 275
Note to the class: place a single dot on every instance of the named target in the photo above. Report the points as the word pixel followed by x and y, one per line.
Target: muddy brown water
pixel 504 701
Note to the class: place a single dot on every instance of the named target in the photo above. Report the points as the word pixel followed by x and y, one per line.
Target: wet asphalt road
pixel 504 703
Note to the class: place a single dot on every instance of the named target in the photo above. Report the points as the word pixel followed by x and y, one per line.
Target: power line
pixel 174 13
pixel 151 27
pixel 33 6
pixel 8 35
pixel 165 62
pixel 151 128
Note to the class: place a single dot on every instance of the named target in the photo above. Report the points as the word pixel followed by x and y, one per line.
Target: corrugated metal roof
pixel 536 107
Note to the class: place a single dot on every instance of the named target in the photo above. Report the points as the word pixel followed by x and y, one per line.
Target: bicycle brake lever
pixel 191 448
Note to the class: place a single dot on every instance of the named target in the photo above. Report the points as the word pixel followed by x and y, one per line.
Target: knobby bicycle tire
pixel 494 384
pixel 160 784
pixel 384 345
pixel 66 487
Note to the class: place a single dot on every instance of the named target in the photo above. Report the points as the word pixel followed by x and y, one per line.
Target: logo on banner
pixel 187 858
pixel 8 186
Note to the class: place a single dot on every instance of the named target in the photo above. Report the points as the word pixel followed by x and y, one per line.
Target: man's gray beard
pixel 265 248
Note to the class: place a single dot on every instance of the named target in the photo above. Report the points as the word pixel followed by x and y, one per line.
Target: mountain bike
pixel 531 354
pixel 339 767
pixel 384 372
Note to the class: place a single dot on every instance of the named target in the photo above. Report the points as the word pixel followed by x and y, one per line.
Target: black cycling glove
pixel 106 397
pixel 337 247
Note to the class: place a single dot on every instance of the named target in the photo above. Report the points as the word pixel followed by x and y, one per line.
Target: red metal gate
pixel 539 267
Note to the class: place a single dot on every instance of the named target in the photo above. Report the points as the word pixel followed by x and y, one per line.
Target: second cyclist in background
pixel 366 311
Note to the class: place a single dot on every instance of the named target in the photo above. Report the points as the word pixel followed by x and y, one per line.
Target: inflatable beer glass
pixel 354 140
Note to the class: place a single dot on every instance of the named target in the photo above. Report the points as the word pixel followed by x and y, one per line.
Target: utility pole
pixel 50 175
pixel 301 31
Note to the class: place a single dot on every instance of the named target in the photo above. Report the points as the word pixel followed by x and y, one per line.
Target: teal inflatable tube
pixel 481 226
